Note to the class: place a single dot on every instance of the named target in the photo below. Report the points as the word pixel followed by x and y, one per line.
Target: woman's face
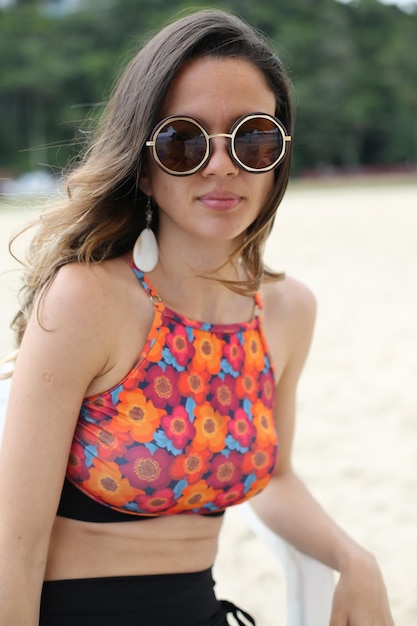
pixel 220 201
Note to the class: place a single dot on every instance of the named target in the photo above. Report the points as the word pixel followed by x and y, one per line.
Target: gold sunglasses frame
pixel 151 143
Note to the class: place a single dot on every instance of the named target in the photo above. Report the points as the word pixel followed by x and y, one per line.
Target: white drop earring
pixel 145 250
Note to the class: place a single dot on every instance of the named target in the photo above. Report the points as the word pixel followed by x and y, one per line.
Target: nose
pixel 220 162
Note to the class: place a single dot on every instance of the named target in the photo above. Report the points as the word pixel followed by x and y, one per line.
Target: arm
pixel 287 506
pixel 56 362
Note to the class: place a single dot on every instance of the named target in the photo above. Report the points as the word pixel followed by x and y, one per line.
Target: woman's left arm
pixel 286 505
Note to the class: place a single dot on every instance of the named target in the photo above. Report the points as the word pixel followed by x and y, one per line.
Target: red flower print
pixel 224 396
pixel 77 469
pixel 242 429
pixel 254 350
pixel 162 389
pixel 177 427
pixel 195 497
pixel 208 352
pixel 246 386
pixel 159 502
pixel 107 484
pixel 191 465
pixel 110 445
pixel 211 428
pixel 99 408
pixel 179 345
pixel 264 424
pixel 266 384
pixel 194 384
pixel 144 469
pixel 234 353
pixel 138 416
pixel 225 470
pixel 230 496
pixel 260 461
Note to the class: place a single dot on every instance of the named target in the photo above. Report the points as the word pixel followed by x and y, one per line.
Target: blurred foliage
pixel 354 69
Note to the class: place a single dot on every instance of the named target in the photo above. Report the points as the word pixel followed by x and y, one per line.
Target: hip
pixel 185 599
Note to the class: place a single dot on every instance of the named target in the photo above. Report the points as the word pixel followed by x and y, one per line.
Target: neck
pixel 189 284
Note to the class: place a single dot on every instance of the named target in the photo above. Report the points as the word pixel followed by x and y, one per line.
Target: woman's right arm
pixel 64 348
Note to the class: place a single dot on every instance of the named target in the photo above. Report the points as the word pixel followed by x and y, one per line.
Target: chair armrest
pixel 309 583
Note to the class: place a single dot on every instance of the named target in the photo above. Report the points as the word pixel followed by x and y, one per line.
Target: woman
pixel 155 376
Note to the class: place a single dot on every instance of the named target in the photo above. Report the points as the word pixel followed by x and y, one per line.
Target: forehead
pixel 219 88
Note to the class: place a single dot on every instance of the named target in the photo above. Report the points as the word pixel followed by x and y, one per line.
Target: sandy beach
pixel 356 446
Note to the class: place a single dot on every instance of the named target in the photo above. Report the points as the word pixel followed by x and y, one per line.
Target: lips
pixel 220 200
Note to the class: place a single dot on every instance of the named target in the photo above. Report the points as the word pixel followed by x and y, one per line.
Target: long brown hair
pixel 104 210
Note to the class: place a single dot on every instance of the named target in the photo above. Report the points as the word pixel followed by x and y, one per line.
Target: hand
pixel 360 597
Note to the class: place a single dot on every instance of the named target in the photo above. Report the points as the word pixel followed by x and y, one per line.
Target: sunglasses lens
pixel 258 143
pixel 180 146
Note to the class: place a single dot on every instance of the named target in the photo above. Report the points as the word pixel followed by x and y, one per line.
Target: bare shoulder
pixel 75 315
pixel 289 301
pixel 78 285
pixel 289 317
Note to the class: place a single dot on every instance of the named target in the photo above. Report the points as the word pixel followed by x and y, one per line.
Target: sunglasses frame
pixel 151 143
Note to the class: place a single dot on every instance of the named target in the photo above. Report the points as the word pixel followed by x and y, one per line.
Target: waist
pixel 175 544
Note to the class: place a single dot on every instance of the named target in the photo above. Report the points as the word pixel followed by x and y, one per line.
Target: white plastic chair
pixel 309 584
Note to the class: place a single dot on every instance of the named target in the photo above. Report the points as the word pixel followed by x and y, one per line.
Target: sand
pixel 354 244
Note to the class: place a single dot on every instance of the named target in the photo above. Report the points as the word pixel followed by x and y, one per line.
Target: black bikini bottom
pixel 155 600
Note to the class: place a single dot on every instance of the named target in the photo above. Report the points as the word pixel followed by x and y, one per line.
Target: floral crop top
pixel 188 430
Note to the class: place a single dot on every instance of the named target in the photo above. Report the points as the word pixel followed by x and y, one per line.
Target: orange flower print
pixel 211 428
pixel 194 384
pixel 133 380
pixel 264 424
pixel 191 465
pixel 109 444
pixel 208 352
pixel 246 386
pixel 137 416
pixel 195 496
pixel 254 351
pixel 157 344
pixel 107 484
pixel 77 469
pixel 258 486
pixel 260 461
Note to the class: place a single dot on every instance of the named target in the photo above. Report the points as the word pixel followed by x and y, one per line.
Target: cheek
pixel 265 187
pixel 169 192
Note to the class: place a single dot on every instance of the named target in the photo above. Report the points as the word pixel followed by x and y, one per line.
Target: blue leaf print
pixel 178 489
pixel 163 442
pixel 189 407
pixel 171 360
pixel 232 444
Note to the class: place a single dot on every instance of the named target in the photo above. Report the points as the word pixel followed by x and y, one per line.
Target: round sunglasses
pixel 181 145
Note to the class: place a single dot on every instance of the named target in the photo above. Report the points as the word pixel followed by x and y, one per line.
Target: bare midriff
pixel 161 545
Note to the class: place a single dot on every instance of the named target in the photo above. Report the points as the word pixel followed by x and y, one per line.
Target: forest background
pixel 353 66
